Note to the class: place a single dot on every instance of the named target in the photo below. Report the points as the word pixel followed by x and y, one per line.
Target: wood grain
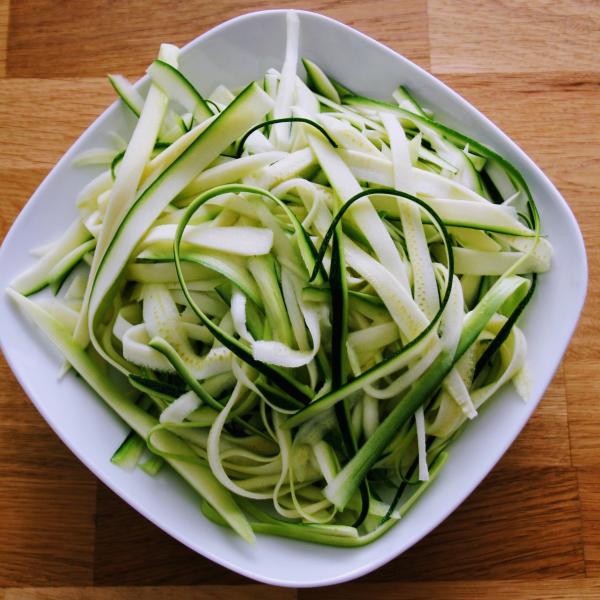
pixel 207 592
pixel 532 529
pixel 4 14
pixel 17 186
pixel 589 497
pixel 36 118
pixel 511 36
pixel 461 590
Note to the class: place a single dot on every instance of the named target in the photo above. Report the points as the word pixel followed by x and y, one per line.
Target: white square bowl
pixel 235 53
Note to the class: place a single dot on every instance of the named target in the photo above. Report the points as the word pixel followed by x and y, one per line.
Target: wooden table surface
pixel 532 529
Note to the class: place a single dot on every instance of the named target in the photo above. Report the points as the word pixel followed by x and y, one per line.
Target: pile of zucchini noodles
pixel 295 295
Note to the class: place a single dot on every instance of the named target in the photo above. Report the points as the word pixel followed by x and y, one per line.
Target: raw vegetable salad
pixel 295 295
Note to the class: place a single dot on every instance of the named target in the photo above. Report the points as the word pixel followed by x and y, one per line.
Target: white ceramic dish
pixel 234 53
